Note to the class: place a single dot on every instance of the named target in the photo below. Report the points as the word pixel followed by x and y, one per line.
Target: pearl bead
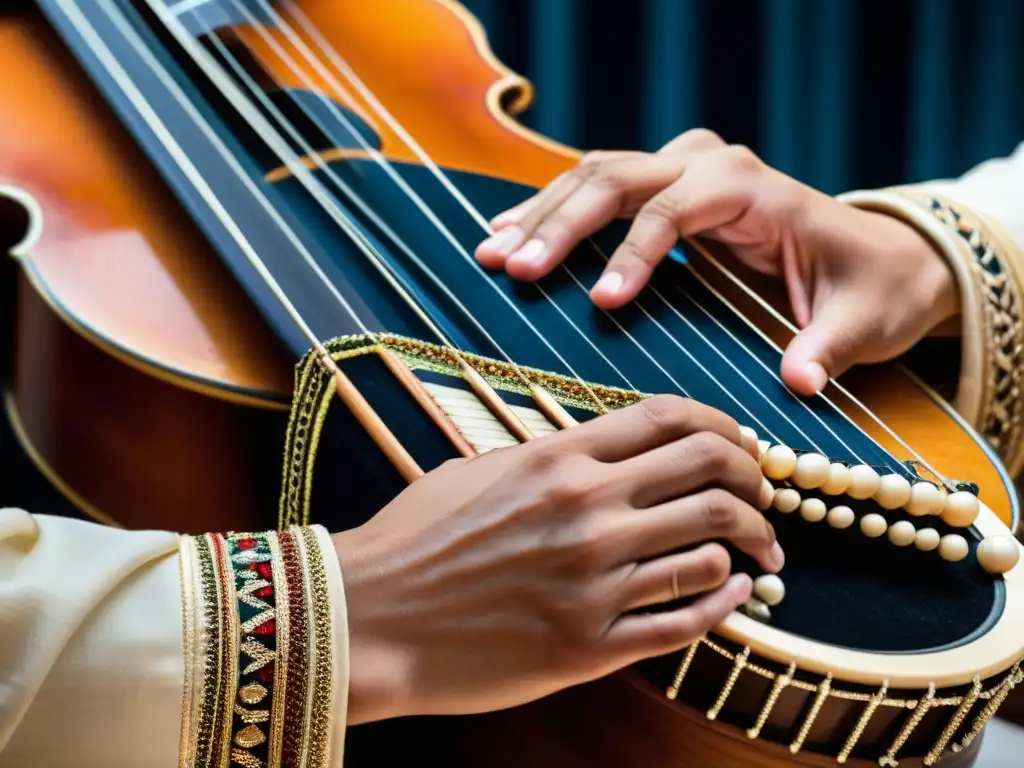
pixel 770 589
pixel 873 525
pixel 838 480
pixel 997 554
pixel 927 539
pixel 902 533
pixel 893 491
pixel 840 517
pixel 961 509
pixel 953 547
pixel 811 471
pixel 786 500
pixel 863 482
pixel 757 610
pixel 925 499
pixel 813 510
pixel 779 462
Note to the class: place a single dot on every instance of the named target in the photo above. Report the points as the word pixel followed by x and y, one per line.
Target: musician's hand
pixel 864 287
pixel 497 580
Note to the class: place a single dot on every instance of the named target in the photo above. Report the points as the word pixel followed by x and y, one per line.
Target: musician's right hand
pixel 497 580
pixel 864 286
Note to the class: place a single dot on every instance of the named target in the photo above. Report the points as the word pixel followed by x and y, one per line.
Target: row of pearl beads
pixel 812 471
pixel 996 554
pixel 901 533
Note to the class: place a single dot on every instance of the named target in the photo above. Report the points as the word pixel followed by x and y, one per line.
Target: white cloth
pixel 91 636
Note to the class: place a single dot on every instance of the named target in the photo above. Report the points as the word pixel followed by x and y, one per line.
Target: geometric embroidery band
pixel 250 651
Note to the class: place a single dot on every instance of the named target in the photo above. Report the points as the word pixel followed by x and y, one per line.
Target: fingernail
pixel 742 585
pixel 778 556
pixel 817 375
pixel 767 494
pixel 530 255
pixel 504 241
pixel 611 282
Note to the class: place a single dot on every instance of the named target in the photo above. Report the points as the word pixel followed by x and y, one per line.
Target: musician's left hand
pixel 864 286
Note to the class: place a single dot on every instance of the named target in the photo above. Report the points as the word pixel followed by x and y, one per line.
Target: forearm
pixel 977 224
pixel 137 648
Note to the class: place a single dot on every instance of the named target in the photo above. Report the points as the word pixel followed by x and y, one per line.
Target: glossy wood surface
pixel 135 345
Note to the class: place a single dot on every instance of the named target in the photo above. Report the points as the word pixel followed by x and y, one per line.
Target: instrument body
pixel 152 382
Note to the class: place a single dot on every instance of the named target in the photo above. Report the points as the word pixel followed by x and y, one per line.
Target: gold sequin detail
pixel 249 737
pixel 250 716
pixel 253 693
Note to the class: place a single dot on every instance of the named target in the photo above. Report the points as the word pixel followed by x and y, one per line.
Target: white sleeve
pixel 133 649
pixel 977 223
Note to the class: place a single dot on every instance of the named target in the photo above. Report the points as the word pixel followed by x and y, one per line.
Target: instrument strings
pixel 383 161
pixel 339 63
pixel 381 263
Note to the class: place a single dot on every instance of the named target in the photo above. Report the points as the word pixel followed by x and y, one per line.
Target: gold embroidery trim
pixel 993 262
pixel 824 690
pixel 318 744
pixel 189 610
pixel 282 639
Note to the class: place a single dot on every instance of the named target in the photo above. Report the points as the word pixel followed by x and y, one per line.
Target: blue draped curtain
pixel 839 93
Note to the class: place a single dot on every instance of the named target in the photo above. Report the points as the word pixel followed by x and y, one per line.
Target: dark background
pixel 842 94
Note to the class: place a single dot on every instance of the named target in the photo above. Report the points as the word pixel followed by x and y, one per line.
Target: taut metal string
pixel 331 54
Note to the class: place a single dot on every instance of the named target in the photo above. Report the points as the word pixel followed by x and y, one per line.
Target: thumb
pixel 835 340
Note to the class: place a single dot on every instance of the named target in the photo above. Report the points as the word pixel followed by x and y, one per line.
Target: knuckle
pixel 670 413
pixel 713 453
pixel 740 158
pixel 662 208
pixel 721 511
pixel 702 136
pixel 716 565
pixel 593 159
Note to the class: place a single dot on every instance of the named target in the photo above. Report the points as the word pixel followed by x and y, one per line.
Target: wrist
pixel 378 669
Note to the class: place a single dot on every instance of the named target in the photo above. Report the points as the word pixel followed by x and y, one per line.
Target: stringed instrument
pixel 245 296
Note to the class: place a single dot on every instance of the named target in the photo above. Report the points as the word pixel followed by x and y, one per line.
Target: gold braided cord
pixel 826 690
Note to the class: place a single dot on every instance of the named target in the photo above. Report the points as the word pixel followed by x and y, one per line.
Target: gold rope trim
pixel 314 395
pixel 825 690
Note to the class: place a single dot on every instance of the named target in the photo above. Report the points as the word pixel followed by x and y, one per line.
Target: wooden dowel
pixel 552 408
pixel 419 392
pixel 495 404
pixel 375 427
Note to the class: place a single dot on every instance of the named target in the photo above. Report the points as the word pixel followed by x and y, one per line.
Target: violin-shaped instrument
pixel 246 296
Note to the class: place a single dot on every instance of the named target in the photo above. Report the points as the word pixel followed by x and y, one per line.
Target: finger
pixel 509 235
pixel 692 141
pixel 710 515
pixel 656 634
pixel 677 576
pixel 835 340
pixel 644 426
pixel 715 189
pixel 610 191
pixel 697 461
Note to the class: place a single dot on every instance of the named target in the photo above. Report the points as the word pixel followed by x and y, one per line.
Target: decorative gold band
pixel 258 650
pixel 983 703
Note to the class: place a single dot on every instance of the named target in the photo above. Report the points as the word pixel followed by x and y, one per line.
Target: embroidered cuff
pixel 261 650
pixel 988 266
